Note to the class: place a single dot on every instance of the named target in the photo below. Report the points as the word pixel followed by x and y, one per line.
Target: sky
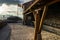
pixel 24 1
pixel 11 5
pixel 11 2
pixel 14 1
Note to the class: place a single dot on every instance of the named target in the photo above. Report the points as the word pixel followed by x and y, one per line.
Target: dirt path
pixel 20 32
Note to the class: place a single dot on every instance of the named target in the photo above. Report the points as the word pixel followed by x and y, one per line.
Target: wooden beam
pixel 28 13
pixel 31 5
pixel 37 22
pixel 50 3
pixel 33 11
pixel 55 1
pixel 42 18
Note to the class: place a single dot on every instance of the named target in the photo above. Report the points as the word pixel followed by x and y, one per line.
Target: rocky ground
pixel 22 32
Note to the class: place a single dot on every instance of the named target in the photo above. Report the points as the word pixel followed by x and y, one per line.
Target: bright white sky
pixel 24 1
pixel 11 10
pixel 5 8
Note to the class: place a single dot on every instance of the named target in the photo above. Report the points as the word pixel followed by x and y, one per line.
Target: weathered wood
pixel 38 31
pixel 28 13
pixel 42 18
pixel 36 1
pixel 33 11
pixel 55 1
pixel 37 20
pixel 31 5
pixel 39 36
pixel 24 19
pixel 39 23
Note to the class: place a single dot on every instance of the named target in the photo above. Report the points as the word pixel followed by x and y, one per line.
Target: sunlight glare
pixel 3 8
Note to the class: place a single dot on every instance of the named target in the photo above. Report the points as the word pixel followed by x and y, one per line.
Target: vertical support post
pixel 24 19
pixel 37 22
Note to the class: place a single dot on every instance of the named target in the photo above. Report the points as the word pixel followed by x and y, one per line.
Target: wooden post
pixel 37 22
pixel 42 18
pixel 24 19
pixel 39 37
